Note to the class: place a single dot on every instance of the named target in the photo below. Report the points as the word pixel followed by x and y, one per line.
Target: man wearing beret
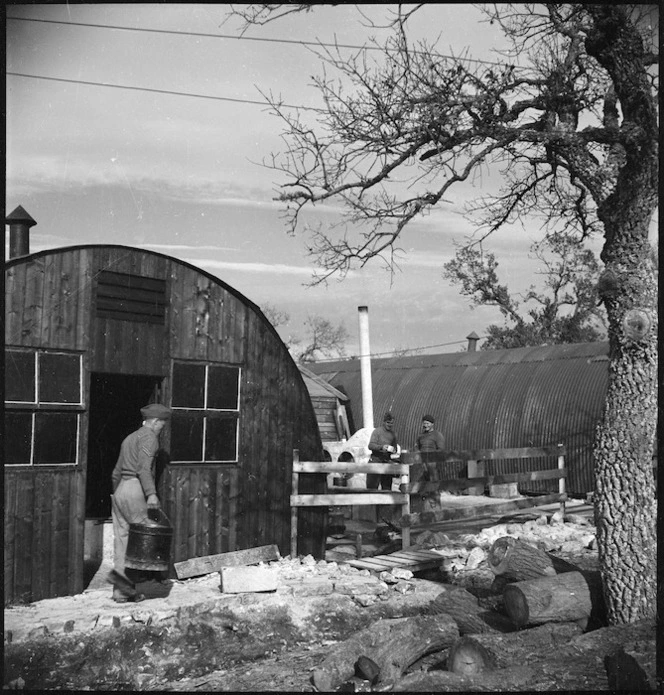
pixel 134 492
pixel 430 440
pixel 382 444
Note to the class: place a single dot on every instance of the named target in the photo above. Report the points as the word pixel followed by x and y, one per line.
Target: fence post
pixel 405 509
pixel 561 480
pixel 294 491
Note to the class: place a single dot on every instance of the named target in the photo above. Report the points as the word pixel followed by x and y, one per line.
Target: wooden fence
pixel 356 497
pixel 425 465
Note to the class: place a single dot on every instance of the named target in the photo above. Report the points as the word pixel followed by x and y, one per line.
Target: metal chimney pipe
pixel 19 232
pixel 365 367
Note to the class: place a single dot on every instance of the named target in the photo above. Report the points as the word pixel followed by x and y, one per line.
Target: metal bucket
pixel 149 544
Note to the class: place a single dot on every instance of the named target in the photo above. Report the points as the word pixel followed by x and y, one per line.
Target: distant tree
pixel 566 311
pixel 570 119
pixel 278 318
pixel 275 316
pixel 323 340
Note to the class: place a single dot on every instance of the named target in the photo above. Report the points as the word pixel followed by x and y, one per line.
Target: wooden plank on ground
pixel 425 519
pixel 371 563
pixel 213 563
pixel 415 555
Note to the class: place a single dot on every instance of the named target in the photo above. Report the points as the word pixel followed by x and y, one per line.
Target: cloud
pixel 276 268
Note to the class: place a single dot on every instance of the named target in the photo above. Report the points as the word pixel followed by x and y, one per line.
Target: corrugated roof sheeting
pixel 492 399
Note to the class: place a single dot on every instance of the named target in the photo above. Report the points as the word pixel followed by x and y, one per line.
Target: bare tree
pixel 570 118
pixel 565 310
pixel 324 340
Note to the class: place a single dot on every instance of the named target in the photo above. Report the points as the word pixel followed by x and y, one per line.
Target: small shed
pixel 330 407
pixel 489 399
pixel 93 333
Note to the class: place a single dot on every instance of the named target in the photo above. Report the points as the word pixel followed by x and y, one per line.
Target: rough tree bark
pixel 561 598
pixel 392 645
pixel 625 510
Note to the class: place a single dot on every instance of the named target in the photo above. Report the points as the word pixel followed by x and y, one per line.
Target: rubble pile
pixel 466 556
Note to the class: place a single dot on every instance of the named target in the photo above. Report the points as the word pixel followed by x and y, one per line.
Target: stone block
pixel 357 586
pixel 504 490
pixel 314 587
pixel 240 580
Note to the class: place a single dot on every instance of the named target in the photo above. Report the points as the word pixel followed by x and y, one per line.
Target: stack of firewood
pixel 538 601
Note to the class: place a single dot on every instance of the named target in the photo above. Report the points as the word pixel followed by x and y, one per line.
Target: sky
pixel 182 174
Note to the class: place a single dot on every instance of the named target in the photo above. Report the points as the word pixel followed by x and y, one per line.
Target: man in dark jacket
pixel 382 444
pixel 134 492
pixel 430 440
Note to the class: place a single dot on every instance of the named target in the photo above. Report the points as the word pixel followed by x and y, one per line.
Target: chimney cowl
pixel 19 222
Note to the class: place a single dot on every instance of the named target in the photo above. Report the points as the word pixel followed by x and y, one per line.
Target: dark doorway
pixel 115 404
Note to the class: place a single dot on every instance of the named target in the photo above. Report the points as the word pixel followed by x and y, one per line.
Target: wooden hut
pixel 92 334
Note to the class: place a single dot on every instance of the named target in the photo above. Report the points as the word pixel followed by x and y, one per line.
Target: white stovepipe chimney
pixel 365 367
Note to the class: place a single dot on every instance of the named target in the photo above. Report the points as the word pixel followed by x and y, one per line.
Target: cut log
pixel 513 679
pixel 392 644
pixel 515 648
pixel 467 657
pixel 214 563
pixel 516 560
pixel 469 616
pixel 560 598
pixel 633 667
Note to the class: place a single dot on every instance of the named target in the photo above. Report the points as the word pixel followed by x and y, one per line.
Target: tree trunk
pixel 392 645
pixel 515 560
pixel 625 509
pixel 561 598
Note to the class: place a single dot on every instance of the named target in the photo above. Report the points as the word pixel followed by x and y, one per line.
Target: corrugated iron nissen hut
pixel 93 333
pixel 491 399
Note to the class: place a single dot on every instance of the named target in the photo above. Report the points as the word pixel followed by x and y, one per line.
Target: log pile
pixel 536 634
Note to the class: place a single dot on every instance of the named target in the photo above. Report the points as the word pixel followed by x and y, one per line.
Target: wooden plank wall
pixel 46 306
pixel 128 347
pixel 43 551
pixel 214 509
pixel 326 409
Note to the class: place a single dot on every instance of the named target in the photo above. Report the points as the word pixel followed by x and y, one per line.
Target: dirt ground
pixel 273 644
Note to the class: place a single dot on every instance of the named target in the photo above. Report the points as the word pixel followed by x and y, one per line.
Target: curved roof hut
pixel 93 333
pixel 521 397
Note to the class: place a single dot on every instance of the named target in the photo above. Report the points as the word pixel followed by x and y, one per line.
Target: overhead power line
pixel 160 91
pixel 392 352
pixel 298 42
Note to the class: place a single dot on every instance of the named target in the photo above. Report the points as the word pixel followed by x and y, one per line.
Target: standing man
pixel 430 440
pixel 134 492
pixel 382 443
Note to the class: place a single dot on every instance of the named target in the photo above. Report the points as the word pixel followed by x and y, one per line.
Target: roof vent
pixel 472 341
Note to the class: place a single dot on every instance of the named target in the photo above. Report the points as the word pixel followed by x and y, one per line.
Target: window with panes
pixel 43 405
pixel 205 402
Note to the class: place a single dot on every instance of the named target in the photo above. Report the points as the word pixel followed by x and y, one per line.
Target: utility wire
pixel 391 352
pixel 161 91
pixel 319 44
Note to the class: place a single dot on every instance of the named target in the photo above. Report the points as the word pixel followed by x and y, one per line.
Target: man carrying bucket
pixel 134 493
